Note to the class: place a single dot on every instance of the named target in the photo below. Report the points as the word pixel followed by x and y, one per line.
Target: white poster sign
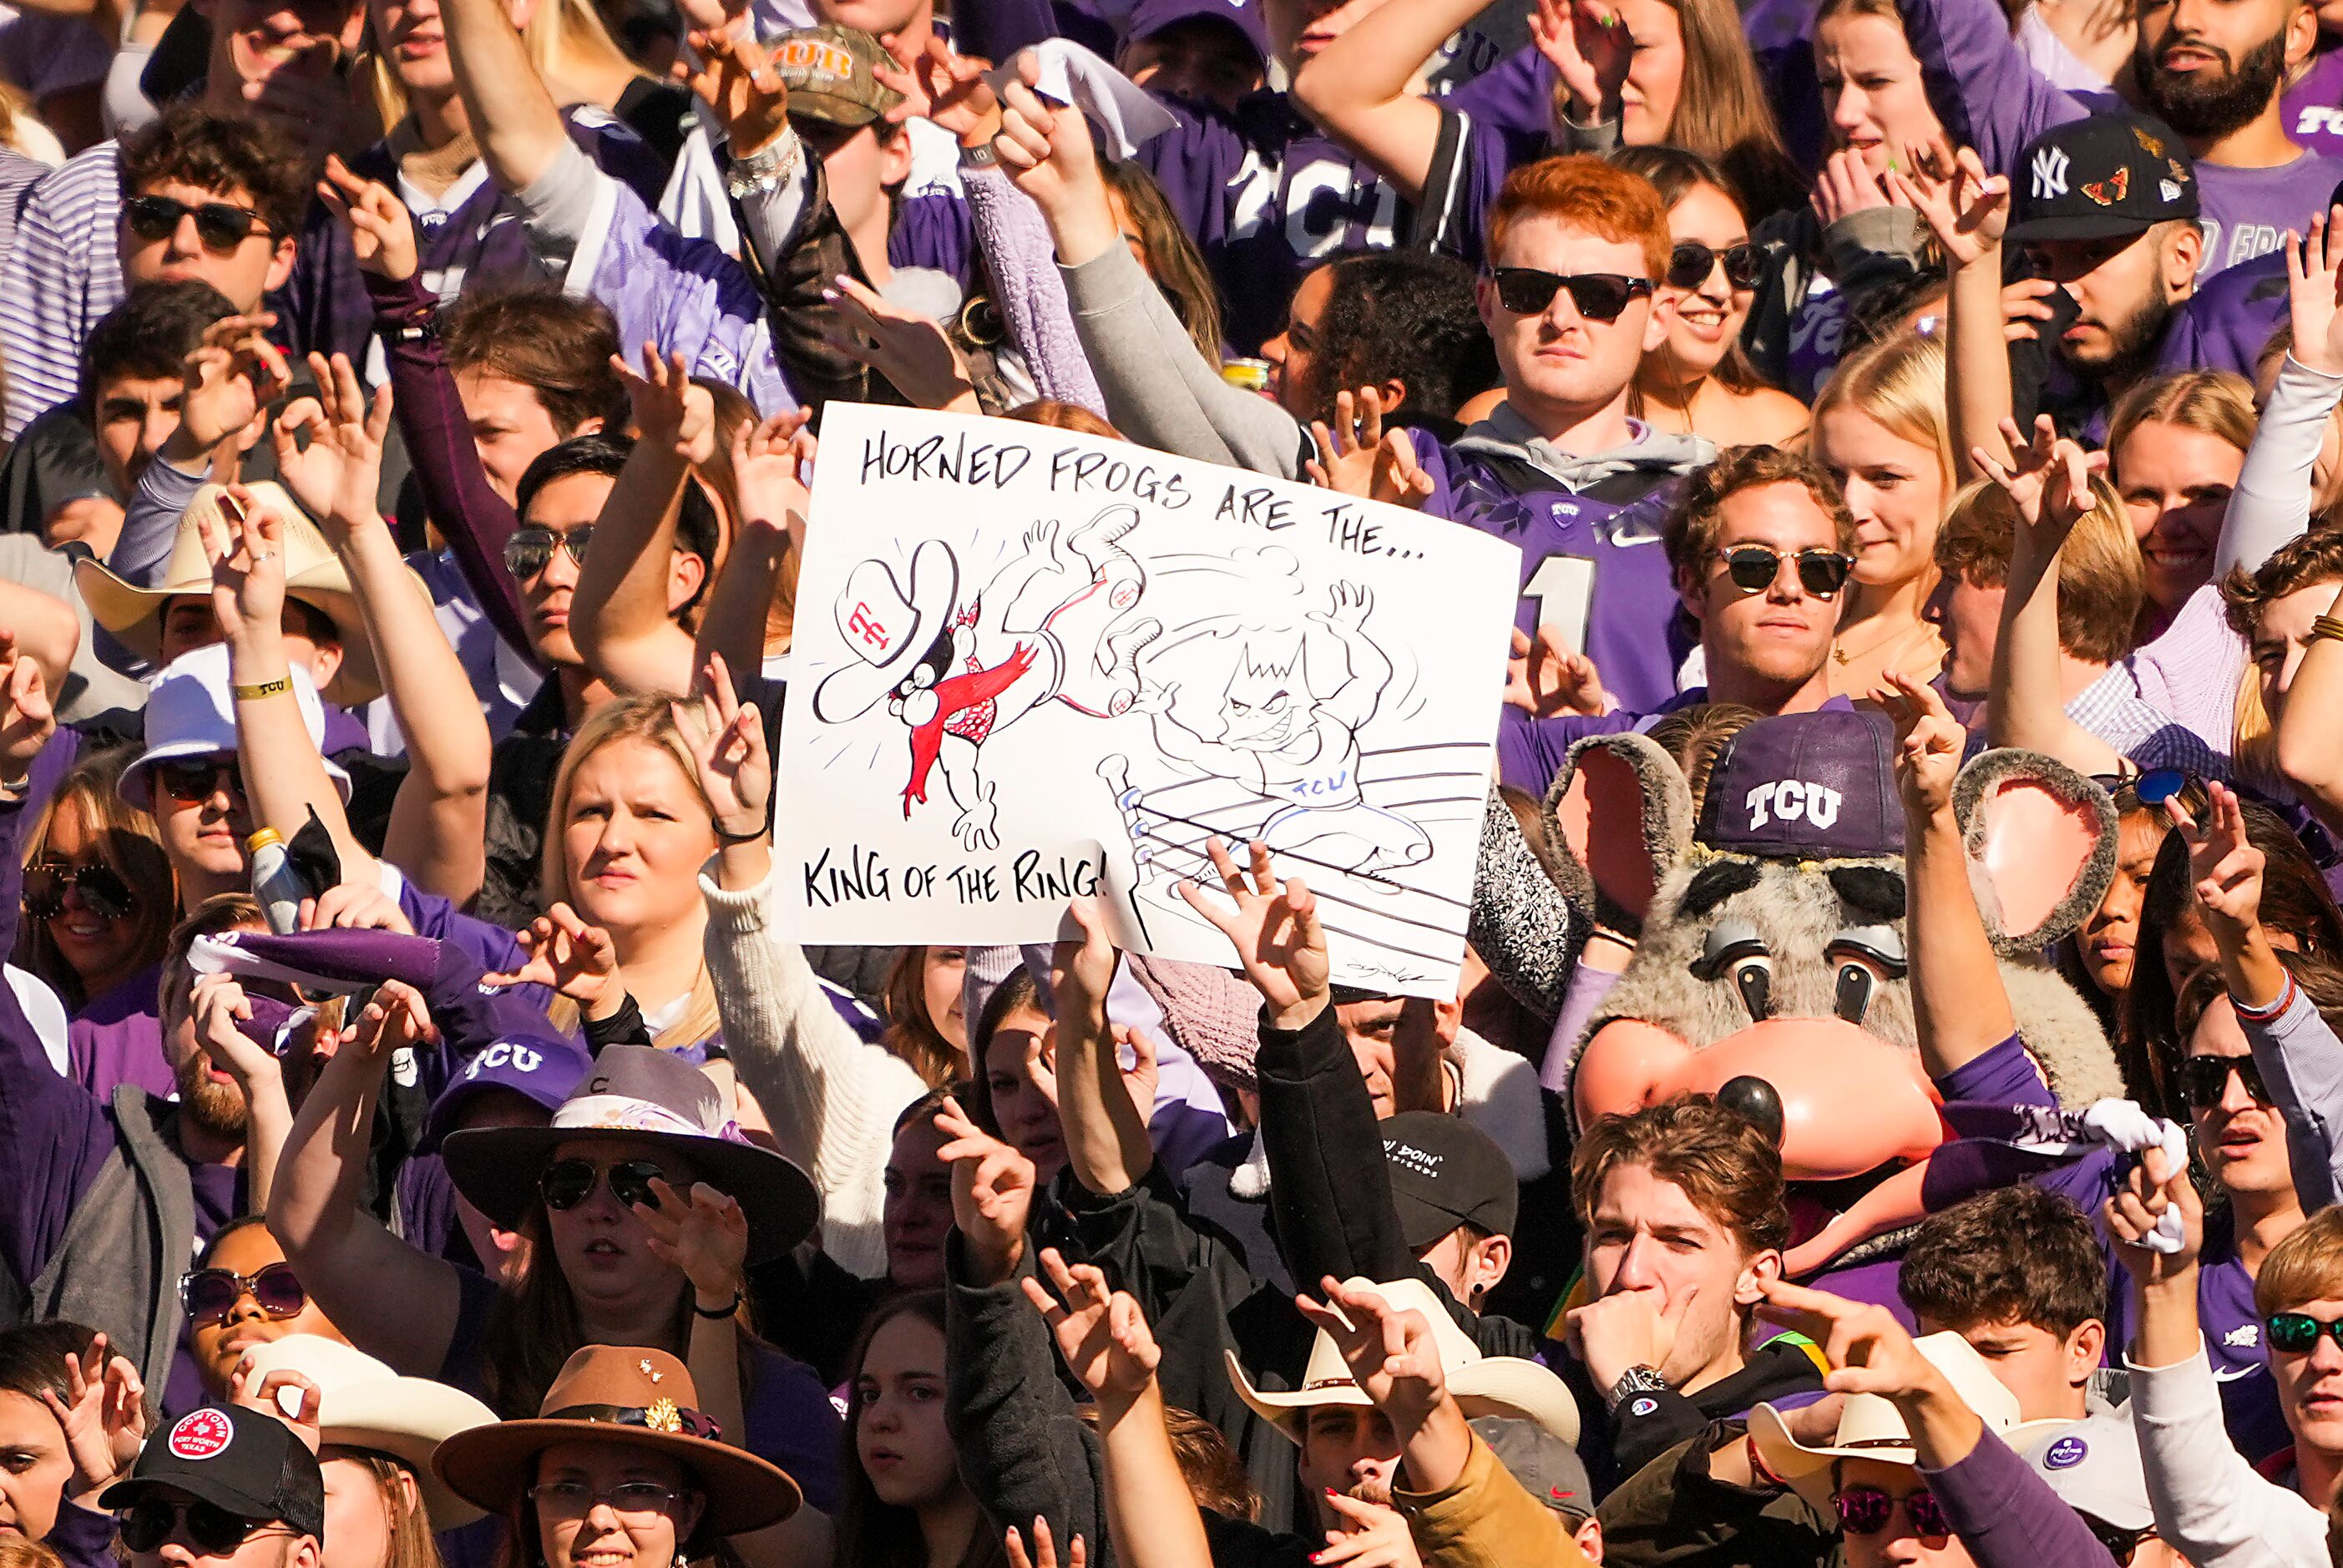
pixel 1031 664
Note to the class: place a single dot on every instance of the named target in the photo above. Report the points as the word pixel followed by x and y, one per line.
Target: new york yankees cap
pixel 1817 786
pixel 2104 178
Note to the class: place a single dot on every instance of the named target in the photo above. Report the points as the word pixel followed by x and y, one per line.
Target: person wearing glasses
pixel 232 1486
pixel 241 1293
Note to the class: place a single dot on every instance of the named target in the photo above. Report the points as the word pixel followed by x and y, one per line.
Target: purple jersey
pixel 1469 165
pixel 2225 322
pixel 933 230
pixel 2313 106
pixel 2249 211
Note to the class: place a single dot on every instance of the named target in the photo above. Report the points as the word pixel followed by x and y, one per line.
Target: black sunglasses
pixel 1598 296
pixel 47 883
pixel 145 1526
pixel 565 1184
pixel 1690 264
pixel 2204 1079
pixel 2297 1333
pixel 1865 1511
pixel 220 224
pixel 209 1295
pixel 191 783
pixel 2123 1545
pixel 1753 568
pixel 529 549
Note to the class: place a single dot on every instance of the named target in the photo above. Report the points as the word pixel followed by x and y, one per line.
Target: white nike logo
pixel 2232 1376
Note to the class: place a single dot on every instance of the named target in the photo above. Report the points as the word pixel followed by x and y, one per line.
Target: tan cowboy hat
pixel 628 1395
pixel 313 574
pixel 362 1404
pixel 1871 1427
pixel 1507 1386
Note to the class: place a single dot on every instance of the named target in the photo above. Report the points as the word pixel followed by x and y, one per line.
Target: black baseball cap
pixel 1446 1172
pixel 245 1461
pixel 1548 1468
pixel 2103 177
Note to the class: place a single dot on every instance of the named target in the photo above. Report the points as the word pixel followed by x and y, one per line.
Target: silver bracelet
pixel 765 169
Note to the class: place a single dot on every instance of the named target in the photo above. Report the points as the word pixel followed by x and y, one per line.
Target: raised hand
pixel 943 86
pixel 576 959
pixel 702 1232
pixel 2314 293
pixel 2225 870
pixel 1847 184
pixel 1081 970
pixel 1966 208
pixel 1869 1351
pixel 1357 457
pixel 910 350
pixel 29 715
pixel 1373 1536
pixel 772 474
pixel 1274 928
pixel 103 1414
pixel 727 747
pixel 245 543
pixel 1627 1328
pixel 1590 49
pixel 1045 1550
pixel 992 1194
pixel 340 473
pixel 232 375
pixel 1101 1334
pixel 1046 151
pixel 395 1018
pixel 218 1005
pixel 292 1397
pixel 1391 1352
pixel 1929 742
pixel 355 906
pixel 737 81
pixel 2048 480
pixel 669 411
pixel 1546 678
pixel 2155 1250
pixel 382 231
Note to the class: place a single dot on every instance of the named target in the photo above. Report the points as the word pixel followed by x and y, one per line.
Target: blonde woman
pixel 1882 429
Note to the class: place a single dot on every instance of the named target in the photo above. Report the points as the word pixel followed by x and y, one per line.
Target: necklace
pixel 1844 657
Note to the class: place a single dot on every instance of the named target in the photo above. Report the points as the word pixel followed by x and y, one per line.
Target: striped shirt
pixel 63 273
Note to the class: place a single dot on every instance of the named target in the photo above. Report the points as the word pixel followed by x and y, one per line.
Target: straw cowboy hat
pixel 362 1404
pixel 637 1094
pixel 636 1398
pixel 313 574
pixel 1506 1386
pixel 887 629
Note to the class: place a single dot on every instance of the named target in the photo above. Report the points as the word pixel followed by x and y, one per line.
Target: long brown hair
pixel 1675 174
pixel 911 1034
pixel 1722 113
pixel 411 1544
pixel 1171 258
pixel 871 1532
pixel 127 844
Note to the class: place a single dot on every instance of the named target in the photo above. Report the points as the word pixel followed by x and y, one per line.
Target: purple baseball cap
pixel 543 1067
pixel 1150 17
pixel 1806 786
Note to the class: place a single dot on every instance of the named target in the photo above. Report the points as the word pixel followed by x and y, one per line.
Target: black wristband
pixel 730 839
pixel 725 1311
pixel 624 1027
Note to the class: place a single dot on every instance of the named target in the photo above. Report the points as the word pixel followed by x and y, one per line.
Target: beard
pixel 2203 104
pixel 2133 342
pixel 218 1108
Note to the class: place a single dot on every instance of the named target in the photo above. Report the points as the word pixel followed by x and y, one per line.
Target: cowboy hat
pixel 656 1101
pixel 632 1396
pixel 1871 1427
pixel 362 1404
pixel 1505 1386
pixel 313 574
pixel 887 629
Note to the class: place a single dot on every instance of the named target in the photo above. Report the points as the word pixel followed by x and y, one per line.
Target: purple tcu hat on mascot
pixel 1806 786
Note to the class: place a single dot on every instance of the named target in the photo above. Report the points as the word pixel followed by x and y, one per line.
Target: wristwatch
pixel 1635 1381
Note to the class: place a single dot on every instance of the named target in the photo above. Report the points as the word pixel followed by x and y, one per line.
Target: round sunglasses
pixel 1690 264
pixel 1753 568
pixel 209 1295
pixel 47 883
pixel 1865 1511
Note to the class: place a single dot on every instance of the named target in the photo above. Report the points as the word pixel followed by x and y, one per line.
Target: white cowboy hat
pixel 887 629
pixel 362 1404
pixel 313 574
pixel 1871 1427
pixel 1506 1386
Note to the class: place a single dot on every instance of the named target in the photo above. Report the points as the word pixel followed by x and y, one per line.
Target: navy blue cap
pixel 1806 786
pixel 543 1067
pixel 1150 17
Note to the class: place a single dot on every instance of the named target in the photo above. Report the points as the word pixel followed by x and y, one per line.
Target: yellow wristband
pixel 282 684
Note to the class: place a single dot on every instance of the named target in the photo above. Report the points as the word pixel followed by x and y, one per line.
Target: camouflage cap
pixel 830 73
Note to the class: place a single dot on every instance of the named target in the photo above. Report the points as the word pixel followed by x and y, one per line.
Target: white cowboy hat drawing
pixel 887 629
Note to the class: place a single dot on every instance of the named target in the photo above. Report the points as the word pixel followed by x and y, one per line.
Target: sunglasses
pixel 192 783
pixel 2204 1079
pixel 1865 1511
pixel 1597 296
pixel 47 883
pixel 1753 568
pixel 2297 1333
pixel 211 1294
pixel 1690 264
pixel 213 1529
pixel 567 1184
pixel 220 226
pixel 529 549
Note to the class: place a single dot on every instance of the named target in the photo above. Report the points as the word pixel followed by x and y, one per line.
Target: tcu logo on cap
pixel 201 1434
pixel 520 1057
pixel 1792 799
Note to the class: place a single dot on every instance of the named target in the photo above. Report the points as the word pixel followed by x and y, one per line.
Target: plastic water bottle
pixel 275 882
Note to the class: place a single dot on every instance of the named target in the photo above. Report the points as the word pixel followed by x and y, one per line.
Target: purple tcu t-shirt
pixel 2228 320
pixel 2313 106
pixel 116 1039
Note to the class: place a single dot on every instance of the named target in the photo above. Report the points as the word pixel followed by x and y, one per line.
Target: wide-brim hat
pixel 363 1404
pixel 658 1102
pixel 888 629
pixel 626 1396
pixel 313 574
pixel 1506 1386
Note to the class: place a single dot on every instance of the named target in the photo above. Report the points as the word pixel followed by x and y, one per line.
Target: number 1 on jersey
pixel 1562 587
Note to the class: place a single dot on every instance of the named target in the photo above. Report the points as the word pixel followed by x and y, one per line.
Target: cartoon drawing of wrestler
pixel 1055 623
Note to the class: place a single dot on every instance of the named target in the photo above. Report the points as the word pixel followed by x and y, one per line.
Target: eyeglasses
pixel 2204 1079
pixel 2297 1333
pixel 1690 264
pixel 529 549
pixel 192 783
pixel 220 224
pixel 1865 1511
pixel 627 1499
pixel 214 1529
pixel 565 1184
pixel 1598 296
pixel 1753 568
pixel 45 885
pixel 211 1294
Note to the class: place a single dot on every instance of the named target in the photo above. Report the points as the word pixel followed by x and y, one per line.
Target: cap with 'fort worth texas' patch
pixel 2101 178
pixel 244 1461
